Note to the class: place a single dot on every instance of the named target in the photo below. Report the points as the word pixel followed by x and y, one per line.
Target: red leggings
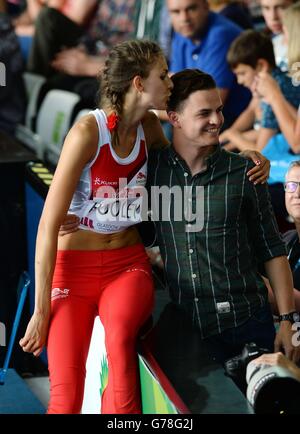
pixel 117 285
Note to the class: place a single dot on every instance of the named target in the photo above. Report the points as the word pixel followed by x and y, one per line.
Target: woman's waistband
pixel 88 257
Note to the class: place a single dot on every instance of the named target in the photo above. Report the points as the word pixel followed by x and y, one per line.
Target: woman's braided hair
pixel 125 61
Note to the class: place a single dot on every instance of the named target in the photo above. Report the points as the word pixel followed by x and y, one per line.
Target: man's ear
pixel 137 83
pixel 174 119
pixel 262 65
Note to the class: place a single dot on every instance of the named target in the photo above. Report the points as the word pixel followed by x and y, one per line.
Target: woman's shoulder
pixel 83 137
pixel 86 128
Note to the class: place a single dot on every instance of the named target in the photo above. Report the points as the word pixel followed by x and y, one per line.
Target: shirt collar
pixel 211 160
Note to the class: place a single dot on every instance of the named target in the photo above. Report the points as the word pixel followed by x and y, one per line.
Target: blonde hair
pixel 291 20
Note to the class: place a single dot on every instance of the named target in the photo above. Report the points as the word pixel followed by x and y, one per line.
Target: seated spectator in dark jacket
pixel 73 16
pixel 12 91
pixel 68 15
pixel 76 68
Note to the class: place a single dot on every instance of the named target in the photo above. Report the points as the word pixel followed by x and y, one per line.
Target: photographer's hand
pixel 278 359
pixel 284 341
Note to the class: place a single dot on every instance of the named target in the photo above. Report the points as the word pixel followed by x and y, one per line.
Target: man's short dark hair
pixel 187 82
pixel 249 47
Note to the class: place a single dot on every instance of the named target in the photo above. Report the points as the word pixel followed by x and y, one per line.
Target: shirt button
pixel 185 174
pixel 194 276
pixel 191 250
pixel 195 56
pixel 196 299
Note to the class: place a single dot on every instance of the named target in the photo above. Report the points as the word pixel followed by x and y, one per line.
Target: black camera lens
pixel 278 396
pixel 271 389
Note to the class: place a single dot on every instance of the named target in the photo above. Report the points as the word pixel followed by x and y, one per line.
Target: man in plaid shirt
pixel 211 265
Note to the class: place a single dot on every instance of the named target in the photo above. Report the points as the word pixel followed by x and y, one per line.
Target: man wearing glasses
pixel 292 237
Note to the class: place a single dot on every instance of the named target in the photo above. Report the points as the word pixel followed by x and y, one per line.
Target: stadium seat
pixel 33 85
pixel 54 120
pixel 25 133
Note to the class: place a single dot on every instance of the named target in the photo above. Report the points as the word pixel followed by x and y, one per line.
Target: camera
pixel 271 389
pixel 236 367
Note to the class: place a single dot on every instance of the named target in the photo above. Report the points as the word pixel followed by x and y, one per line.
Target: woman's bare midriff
pixel 88 240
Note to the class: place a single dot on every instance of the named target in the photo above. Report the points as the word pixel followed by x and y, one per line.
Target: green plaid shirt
pixel 213 272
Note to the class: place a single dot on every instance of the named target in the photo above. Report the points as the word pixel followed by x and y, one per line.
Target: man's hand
pixel 69 225
pixel 261 171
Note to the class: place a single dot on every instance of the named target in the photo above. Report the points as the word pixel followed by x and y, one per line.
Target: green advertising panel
pixel 154 399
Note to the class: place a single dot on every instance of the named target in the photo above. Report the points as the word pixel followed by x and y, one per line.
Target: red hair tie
pixel 112 121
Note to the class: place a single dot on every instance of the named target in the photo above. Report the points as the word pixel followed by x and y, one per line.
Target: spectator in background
pixel 201 40
pixel 12 90
pixel 77 11
pixel 292 237
pixel 251 53
pixel 281 149
pixel 69 15
pixel 272 11
pixel 289 121
pixel 76 68
pixel 288 117
pixel 235 11
pixel 24 22
pixel 14 7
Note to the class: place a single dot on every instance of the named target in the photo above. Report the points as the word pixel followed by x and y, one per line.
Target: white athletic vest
pixel 108 197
